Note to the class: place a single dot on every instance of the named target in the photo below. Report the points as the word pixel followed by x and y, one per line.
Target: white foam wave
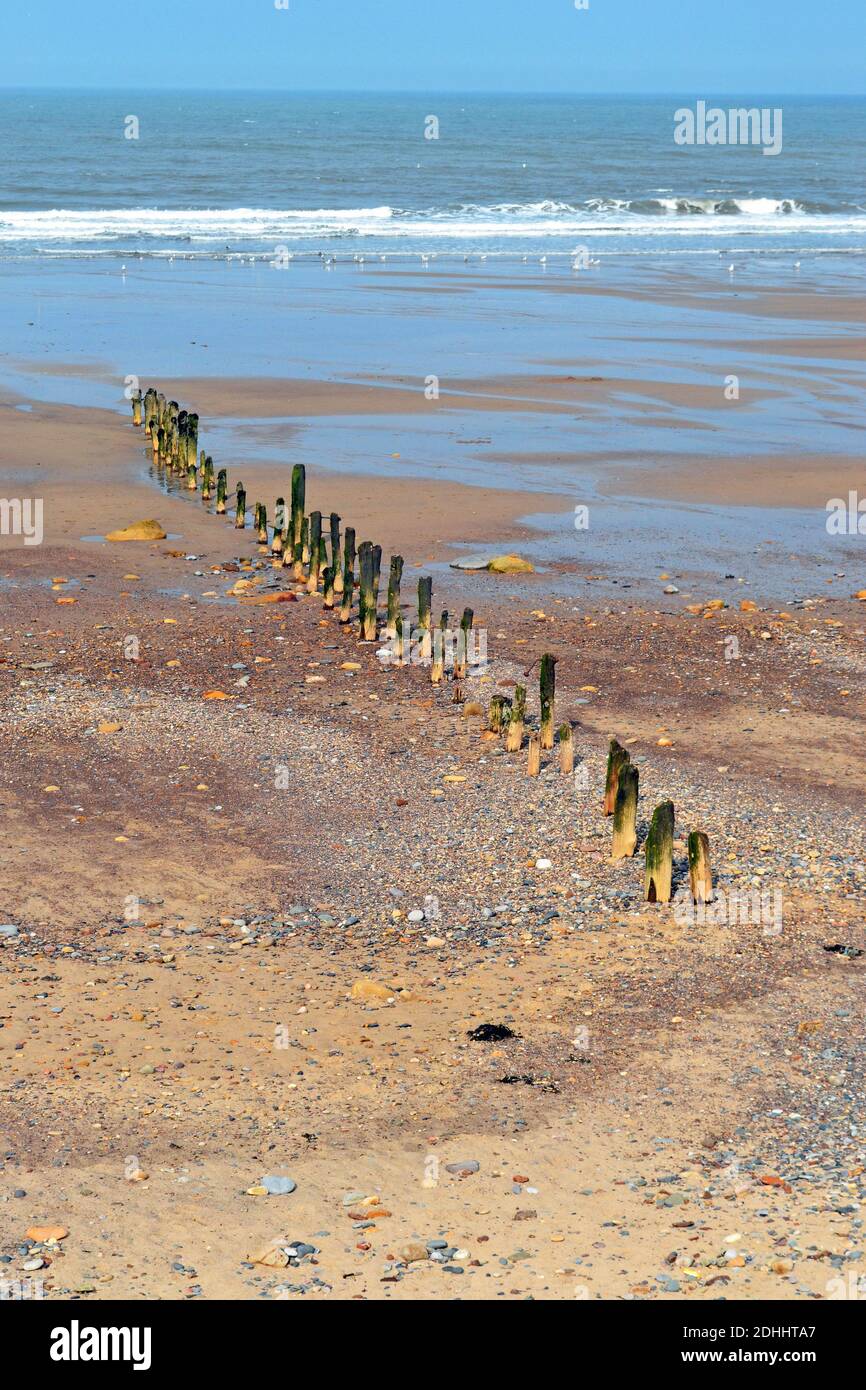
pixel 659 216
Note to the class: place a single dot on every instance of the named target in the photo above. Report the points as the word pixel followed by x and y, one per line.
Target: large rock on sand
pixel 510 564
pixel 138 531
pixel 495 564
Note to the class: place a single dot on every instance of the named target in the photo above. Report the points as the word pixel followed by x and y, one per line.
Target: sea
pixel 195 174
pixel 453 239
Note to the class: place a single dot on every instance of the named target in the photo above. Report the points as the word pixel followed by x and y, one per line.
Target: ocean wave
pixel 229 228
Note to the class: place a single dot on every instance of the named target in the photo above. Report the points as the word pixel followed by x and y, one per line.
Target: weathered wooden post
pixel 179 454
pixel 369 560
pixel 191 477
pixel 533 760
pixel 328 586
pixel 221 491
pixel 365 573
pixel 241 507
pixel 516 720
pixel 191 439
pixel 625 814
pixel 136 406
pixel 440 638
pixel 497 714
pixel 513 731
pixel 207 480
pixel 659 851
pixel 335 550
pixel 348 574
pixel 700 873
pixel 277 546
pixel 566 750
pixel 299 491
pixel 149 408
pixel 617 758
pixel 262 523
pixel 425 603
pixel 315 551
pixel 547 690
pixel 395 576
pixel 463 644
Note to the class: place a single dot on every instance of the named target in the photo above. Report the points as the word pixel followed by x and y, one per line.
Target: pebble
pixel 278 1186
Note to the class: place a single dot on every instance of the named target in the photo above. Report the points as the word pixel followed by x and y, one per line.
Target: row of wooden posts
pixel 299 540
pixel 318 557
pixel 620 792
pixel 620 801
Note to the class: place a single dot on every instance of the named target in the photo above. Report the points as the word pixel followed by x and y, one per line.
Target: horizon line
pixel 407 91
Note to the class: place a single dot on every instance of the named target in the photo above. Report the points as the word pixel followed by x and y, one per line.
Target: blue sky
pixel 689 46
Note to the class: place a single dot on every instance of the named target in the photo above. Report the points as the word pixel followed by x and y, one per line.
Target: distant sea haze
pixel 195 174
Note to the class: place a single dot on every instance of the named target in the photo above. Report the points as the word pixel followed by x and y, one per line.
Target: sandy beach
pixel 263 886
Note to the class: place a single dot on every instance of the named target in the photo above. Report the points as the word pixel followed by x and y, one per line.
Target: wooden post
pixel 533 761
pixel 659 852
pixel 161 445
pixel 395 576
pixel 440 637
pixel 191 477
pixel 328 586
pixel 149 408
pixel 617 758
pixel 241 507
pixel 514 730
pixel 299 491
pixel 222 487
pixel 566 750
pixel 315 551
pixel 547 688
pixel 425 603
pixel 136 406
pixel 369 560
pixel 348 574
pixel 179 454
pixel 335 550
pixel 279 525
pixel 191 439
pixel 700 873
pixel 625 814
pixel 262 522
pixel 207 479
pixel 463 644
pixel 365 576
pixel 497 714
pixel 402 642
